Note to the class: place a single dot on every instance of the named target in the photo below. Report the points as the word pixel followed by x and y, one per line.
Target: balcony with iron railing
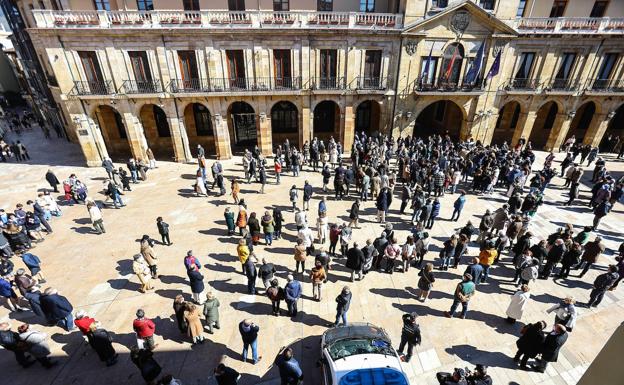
pixel 371 83
pixel 522 84
pixel 234 84
pixel 141 86
pixel 217 19
pixel 98 87
pixel 606 85
pixel 570 25
pixel 445 86
pixel 561 85
pixel 323 83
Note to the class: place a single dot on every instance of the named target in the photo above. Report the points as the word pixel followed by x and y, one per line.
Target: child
pixel 163 230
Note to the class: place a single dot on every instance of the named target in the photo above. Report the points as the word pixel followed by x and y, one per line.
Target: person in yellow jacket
pixel 243 252
pixel 486 259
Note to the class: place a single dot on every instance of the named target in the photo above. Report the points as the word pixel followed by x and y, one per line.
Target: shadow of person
pixel 475 356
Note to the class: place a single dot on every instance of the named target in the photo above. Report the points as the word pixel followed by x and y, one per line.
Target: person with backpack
pixel 276 295
pixel 10 341
pixel 410 335
pixel 289 368
pixel 464 291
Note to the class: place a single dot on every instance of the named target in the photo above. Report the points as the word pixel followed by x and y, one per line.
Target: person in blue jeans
pixel 464 291
pixel 343 302
pixel 249 334
pixel 458 206
pixel 293 293
pixel 448 251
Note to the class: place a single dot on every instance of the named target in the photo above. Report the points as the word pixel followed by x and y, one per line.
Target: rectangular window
pixel 372 67
pixel 565 70
pixel 236 5
pixel 606 67
pixel 599 9
pixel 55 7
pixel 325 5
pixel 188 68
pixel 145 5
pixel 190 5
pixel 558 8
pixel 439 3
pixel 281 5
pixel 281 64
pixel 102 5
pixel 91 66
pixel 427 73
pixel 487 4
pixel 141 70
pixel 521 8
pixel 236 67
pixel 328 63
pixel 367 5
pixel 41 5
pixel 525 65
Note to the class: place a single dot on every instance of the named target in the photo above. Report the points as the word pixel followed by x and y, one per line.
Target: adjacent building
pixel 229 74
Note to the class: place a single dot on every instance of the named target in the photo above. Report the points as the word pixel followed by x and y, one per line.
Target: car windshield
pixel 352 346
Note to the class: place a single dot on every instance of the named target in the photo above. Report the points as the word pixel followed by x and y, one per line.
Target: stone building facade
pixel 170 76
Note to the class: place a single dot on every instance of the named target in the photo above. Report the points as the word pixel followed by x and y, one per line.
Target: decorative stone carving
pixel 410 47
pixel 460 22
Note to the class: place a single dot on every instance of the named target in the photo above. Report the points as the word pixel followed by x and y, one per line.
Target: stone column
pixel 305 131
pixel 348 128
pixel 526 120
pixel 560 129
pixel 489 125
pixel 222 138
pixel 265 142
pixel 597 129
pixel 90 139
pixel 136 137
pixel 179 139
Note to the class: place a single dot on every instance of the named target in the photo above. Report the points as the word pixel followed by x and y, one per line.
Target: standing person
pixel 96 217
pixel 101 341
pixel 592 251
pixel 517 304
pixel 382 205
pixel 343 301
pixel 289 369
pixel 268 227
pixel 195 328
pixel 145 362
pixel 602 283
pixel 211 311
pixel 53 180
pixel 391 253
pixel 354 214
pixel 179 306
pixel 40 214
pixel 229 220
pixel 148 255
pixel 464 291
pixel 294 196
pixel 278 170
pixel 317 276
pixel 196 281
pixel 475 270
pixel 300 256
pixel 144 329
pixel 435 211
pixel 486 259
pixel 150 158
pixel 276 295
pixel 292 293
pixel 355 261
pixel 565 313
pixel 142 270
pixel 225 375
pixel 36 345
pixel 249 334
pixel 425 282
pixel 163 230
pixel 307 195
pixel 305 234
pixel 252 274
pixel 266 271
pixel 10 341
pixel 278 218
pixel 410 335
pixel 345 238
pixel 241 219
pixel 458 206
pixel 242 250
pixel 601 211
pixel 235 187
pixel 322 226
pixel 447 252
pixel 57 309
pixel 334 234
pixel 530 343
pixel 572 257
pixel 552 344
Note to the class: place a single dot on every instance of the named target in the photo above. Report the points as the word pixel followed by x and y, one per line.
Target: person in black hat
pixel 457 377
pixel 479 376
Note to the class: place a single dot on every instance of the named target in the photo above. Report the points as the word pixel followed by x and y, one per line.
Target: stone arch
pixel 157 131
pixel 199 127
pixel 507 122
pixel 582 120
pixel 326 122
pixel 441 117
pixel 545 120
pixel 242 124
pixel 285 122
pixel 368 117
pixel 114 131
pixel 615 128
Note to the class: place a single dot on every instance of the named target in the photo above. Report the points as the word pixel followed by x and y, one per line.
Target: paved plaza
pixel 94 272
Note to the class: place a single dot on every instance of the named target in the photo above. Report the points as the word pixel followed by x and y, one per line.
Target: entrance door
pixel 245 131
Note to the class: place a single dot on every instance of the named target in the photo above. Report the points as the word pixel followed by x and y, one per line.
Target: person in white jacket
pixel 517 304
pixel 96 217
pixel 37 345
pixel 565 313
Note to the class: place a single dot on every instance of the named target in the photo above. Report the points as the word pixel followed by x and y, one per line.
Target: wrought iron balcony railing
pixel 99 87
pixel 142 86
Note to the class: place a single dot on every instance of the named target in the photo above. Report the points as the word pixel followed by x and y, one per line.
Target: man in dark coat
pixel 289 369
pixel 225 375
pixel 40 214
pixel 9 340
pixel 57 309
pixel 52 180
pixel 552 344
pixel 355 261
pixel 603 283
pixel 410 335
pixel 555 254
pixel 307 195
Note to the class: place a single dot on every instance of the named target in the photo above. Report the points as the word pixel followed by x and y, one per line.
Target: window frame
pixel 325 5
pixel 365 6
pixel 328 63
pixel 139 61
pixel 101 5
pixel 493 2
pixel 557 10
pixel 436 4
pixel 522 63
pixel 187 59
pixel 281 5
pixel 282 64
pixel 605 4
pixel 236 5
pixel 377 57
pixel 564 63
pixel 191 5
pixel 603 65
pixel 521 8
pixel 433 70
pixel 145 5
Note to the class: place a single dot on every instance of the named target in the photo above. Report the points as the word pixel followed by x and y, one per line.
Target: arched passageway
pixel 199 129
pixel 157 131
pixel 242 125
pixel 285 123
pixel 581 121
pixel 544 122
pixel 506 123
pixel 368 117
pixel 442 117
pixel 327 120
pixel 114 133
pixel 615 129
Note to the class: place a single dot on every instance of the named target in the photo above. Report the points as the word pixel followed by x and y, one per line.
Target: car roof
pixel 354 330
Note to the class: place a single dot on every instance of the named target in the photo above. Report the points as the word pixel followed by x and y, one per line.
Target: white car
pixel 360 354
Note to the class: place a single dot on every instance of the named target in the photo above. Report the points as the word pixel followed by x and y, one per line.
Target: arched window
pixel 284 118
pixel 452 63
pixel 203 122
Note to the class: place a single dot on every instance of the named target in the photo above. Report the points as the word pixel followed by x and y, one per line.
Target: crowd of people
pixel 417 171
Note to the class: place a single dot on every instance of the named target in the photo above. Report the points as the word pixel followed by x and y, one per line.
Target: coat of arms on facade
pixel 460 21
pixel 410 47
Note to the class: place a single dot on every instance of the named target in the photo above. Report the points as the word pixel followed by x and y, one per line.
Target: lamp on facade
pixel 611 115
pixel 407 115
pixel 262 116
pixel 218 118
pixel 571 114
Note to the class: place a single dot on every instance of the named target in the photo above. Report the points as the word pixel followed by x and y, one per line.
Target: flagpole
pixel 487 95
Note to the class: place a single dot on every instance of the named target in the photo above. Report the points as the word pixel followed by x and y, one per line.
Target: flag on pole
pixel 449 68
pixel 425 75
pixel 495 66
pixel 475 68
